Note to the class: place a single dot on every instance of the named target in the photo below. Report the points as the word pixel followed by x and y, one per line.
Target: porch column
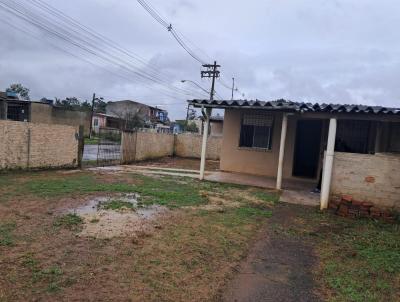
pixel 328 164
pixel 281 152
pixel 204 143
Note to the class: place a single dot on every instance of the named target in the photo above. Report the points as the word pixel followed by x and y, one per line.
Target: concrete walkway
pixel 279 267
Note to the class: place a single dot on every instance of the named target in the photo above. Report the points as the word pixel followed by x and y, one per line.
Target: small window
pixel 96 122
pixel 256 131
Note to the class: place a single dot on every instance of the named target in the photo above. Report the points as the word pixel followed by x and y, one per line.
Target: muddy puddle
pixel 118 215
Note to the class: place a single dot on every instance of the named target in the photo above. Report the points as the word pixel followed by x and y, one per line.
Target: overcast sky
pixel 339 51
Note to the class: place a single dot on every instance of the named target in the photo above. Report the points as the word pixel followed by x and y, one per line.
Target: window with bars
pixel 256 131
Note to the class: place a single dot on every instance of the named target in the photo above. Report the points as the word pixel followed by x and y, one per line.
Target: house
pixel 128 111
pixel 351 149
pixel 45 112
pixel 102 120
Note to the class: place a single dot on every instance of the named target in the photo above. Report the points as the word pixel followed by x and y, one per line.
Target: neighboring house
pixel 101 120
pixel 127 110
pixel 357 146
pixel 216 125
pixel 12 108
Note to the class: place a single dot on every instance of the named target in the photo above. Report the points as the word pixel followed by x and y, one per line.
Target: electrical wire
pixel 19 11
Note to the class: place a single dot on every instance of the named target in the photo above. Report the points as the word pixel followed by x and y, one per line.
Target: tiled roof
pixel 284 105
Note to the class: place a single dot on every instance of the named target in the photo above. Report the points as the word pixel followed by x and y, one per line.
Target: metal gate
pixel 109 148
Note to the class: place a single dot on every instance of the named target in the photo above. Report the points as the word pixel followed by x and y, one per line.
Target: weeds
pixel 6 236
pixel 117 204
pixel 69 221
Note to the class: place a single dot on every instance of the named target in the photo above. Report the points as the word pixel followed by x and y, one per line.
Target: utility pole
pixel 91 116
pixel 233 86
pixel 210 72
pixel 187 117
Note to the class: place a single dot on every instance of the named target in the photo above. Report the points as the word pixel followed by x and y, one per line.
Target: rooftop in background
pixel 7 96
pixel 289 106
pixel 135 102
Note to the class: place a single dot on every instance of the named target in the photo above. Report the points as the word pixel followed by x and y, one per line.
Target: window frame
pixel 270 133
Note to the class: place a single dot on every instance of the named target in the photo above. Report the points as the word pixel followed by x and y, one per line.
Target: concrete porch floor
pixel 296 191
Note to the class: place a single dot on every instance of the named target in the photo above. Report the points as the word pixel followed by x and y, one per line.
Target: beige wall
pixel 28 145
pixel 189 145
pixel 47 114
pixel 253 161
pixel 216 128
pixel 137 146
pixel 154 145
pixel 374 178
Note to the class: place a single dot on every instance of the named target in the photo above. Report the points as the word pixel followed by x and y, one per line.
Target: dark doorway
pixel 307 148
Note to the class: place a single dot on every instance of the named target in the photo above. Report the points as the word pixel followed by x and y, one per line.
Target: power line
pixel 62 33
pixel 179 37
pixel 156 16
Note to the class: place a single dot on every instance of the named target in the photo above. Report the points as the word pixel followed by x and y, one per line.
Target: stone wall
pixel 368 178
pixel 29 145
pixel 189 145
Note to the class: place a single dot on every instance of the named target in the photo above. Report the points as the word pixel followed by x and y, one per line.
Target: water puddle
pixel 118 215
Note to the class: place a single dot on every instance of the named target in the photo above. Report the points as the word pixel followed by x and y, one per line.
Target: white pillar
pixel 281 152
pixel 328 164
pixel 204 143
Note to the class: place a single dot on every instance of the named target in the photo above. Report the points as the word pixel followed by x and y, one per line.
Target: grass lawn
pixel 359 260
pixel 92 141
pixel 190 255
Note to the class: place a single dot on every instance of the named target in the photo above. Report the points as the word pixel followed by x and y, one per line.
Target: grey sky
pixel 341 51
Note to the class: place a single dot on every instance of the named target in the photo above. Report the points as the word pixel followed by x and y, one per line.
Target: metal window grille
pixel 256 131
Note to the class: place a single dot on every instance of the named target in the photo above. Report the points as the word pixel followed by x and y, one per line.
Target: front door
pixel 307 148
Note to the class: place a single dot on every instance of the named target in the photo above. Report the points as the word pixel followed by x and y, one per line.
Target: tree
pixel 21 91
pixel 100 106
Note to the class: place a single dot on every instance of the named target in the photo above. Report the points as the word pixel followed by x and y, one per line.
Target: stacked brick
pixel 346 206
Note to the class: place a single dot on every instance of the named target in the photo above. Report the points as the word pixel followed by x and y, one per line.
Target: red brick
pixel 347 198
pixel 356 203
pixel 367 204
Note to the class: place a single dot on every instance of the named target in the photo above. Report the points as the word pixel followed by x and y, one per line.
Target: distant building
pixel 11 108
pixel 127 110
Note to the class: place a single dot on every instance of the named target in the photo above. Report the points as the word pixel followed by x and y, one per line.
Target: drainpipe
pixel 328 164
pixel 206 114
pixel 281 152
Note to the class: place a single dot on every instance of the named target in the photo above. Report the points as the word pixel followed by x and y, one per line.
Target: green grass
pixel 69 221
pixel 266 196
pixel 92 141
pixel 359 258
pixel 50 277
pixel 73 184
pixel 6 236
pixel 364 262
pixel 201 248
pixel 117 204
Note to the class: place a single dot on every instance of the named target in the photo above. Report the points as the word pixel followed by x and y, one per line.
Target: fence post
pixel 81 146
pixel 122 148
pixel 28 148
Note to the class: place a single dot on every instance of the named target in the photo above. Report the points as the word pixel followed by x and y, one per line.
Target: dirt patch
pixel 279 267
pixel 118 216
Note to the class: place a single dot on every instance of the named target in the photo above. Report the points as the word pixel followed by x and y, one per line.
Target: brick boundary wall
pixel 367 178
pixel 189 145
pixel 29 145
pixel 137 146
